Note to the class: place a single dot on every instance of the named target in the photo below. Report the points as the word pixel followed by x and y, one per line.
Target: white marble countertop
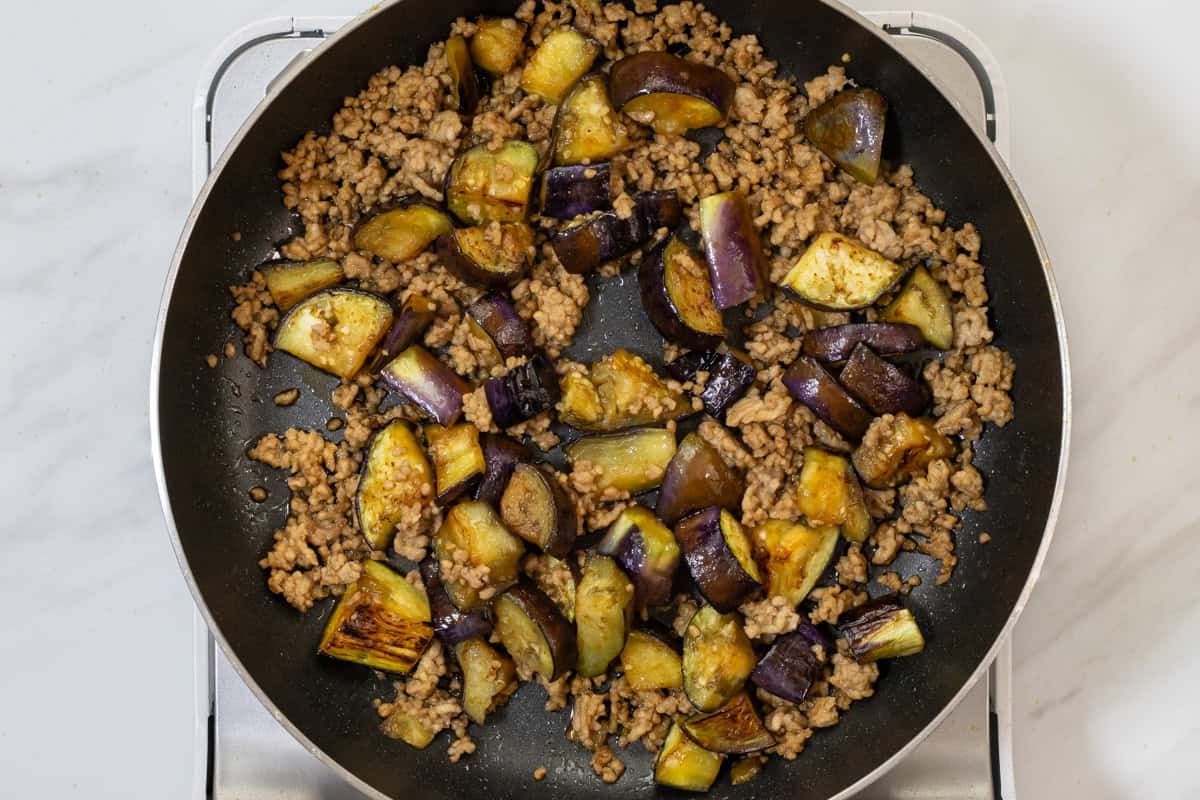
pixel 95 184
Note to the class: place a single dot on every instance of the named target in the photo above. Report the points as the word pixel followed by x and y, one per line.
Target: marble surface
pixel 94 186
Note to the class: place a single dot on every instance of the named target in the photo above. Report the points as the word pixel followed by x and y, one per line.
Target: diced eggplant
pixel 563 57
pixel 746 769
pixel 409 728
pixel 424 380
pixel 525 392
pixel 848 128
pixel 880 385
pixel 538 508
pixel 489 678
pixel 828 493
pixel 813 386
pixel 923 302
pixel 586 128
pixel 650 663
pixel 789 669
pixel 697 478
pixel 583 247
pixel 736 264
pixel 458 461
pixel 838 342
pixel 717 658
pixel 335 329
pixel 669 94
pixel 473 535
pixel 534 632
pixel 720 557
pixel 451 624
pixel 416 315
pixel 464 86
pixel 576 189
pixel 837 273
pixel 289 282
pixel 497 44
pixel 881 628
pixel 620 391
pixel 381 621
pixel 494 319
pixel 734 728
pixel 603 614
pixel 633 461
pixel 381 501
pixel 794 555
pixel 484 186
pixel 647 551
pixel 495 256
pixel 728 377
pixel 559 579
pixel 400 233
pixel 500 455
pixel 677 296
pixel 683 764
pixel 897 448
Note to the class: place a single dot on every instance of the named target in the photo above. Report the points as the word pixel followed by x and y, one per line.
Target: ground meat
pixel 255 313
pixel 852 567
pixel 833 601
pixel 767 618
pixel 853 680
pixel 287 397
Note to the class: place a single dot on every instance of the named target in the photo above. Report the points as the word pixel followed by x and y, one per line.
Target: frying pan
pixel 202 422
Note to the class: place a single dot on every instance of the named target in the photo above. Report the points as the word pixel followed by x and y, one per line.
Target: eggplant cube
pixel 646 549
pixel 586 128
pixel 896 448
pixel 848 128
pixel 534 632
pixel 420 377
pixel 415 316
pixel 697 478
pixel 789 669
pixel 828 493
pixel 720 557
pixel 683 764
pixel 669 94
pixel 494 319
pixel 882 628
pixel 837 273
pixel 495 255
pixel 729 377
pixel 464 86
pixel 603 614
pixel 458 461
pixel 923 302
pixel 473 536
pixel 525 392
pixel 484 186
pixel 794 555
pixel 736 263
pixel 880 385
pixel 812 385
pixel 620 391
pixel 575 190
pixel 540 509
pixel 489 678
pixel 562 58
pixel 289 282
pixel 381 621
pixel 402 233
pixel 677 296
pixel 650 663
pixel 409 728
pixel 501 456
pixel 633 461
pixel 734 728
pixel 837 342
pixel 381 501
pixel 335 330
pixel 717 658
pixel 497 44
pixel 450 624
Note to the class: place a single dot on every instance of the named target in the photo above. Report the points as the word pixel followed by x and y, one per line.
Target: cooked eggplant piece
pixel 408 728
pixel 534 631
pixel 620 391
pixel 489 678
pixel 586 128
pixel 736 264
pixel 449 623
pixel 650 663
pixel 838 342
pixel 923 302
pixel 881 628
pixel 837 273
pixel 335 329
pixel 734 728
pixel 717 658
pixel 420 377
pixel 539 509
pixel 464 86
pixel 683 764
pixel 633 461
pixel 603 614
pixel 415 317
pixel 812 385
pixel 559 579
pixel 473 533
pixel 728 377
pixel 697 478
pixel 501 455
pixel 677 296
pixel 289 282
pixel 402 232
pixel 495 256
pixel 828 493
pixel 583 247
pixel 789 669
pixel 576 189
pixel 494 320
pixel 458 461
pixel 497 44
pixel 563 57
pixel 794 555
pixel 647 551
pixel 746 769
pixel 897 448
pixel 484 186
pixel 848 128
pixel 669 94
pixel 720 557
pixel 382 621
pixel 381 501
pixel 880 385
pixel 525 392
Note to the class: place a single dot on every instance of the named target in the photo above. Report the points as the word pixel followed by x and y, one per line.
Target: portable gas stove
pixel 243 753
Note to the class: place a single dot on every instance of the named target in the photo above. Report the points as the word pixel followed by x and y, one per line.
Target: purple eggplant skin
pixel 581 248
pixel 697 478
pixel 419 376
pixel 728 378
pixel 449 623
pixel 732 246
pixel 699 95
pixel 576 189
pixel 812 385
pixel 881 628
pixel 416 315
pixel 848 128
pixel 885 338
pixel 882 386
pixel 556 652
pixel 667 316
pixel 471 256
pixel 501 456
pixel 647 551
pixel 711 553
pixel 539 509
pixel 789 669
pixel 503 325
pixel 523 393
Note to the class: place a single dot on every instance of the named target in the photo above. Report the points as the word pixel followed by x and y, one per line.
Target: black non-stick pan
pixel 203 420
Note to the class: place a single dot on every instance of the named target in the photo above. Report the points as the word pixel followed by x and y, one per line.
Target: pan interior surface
pixel 206 423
